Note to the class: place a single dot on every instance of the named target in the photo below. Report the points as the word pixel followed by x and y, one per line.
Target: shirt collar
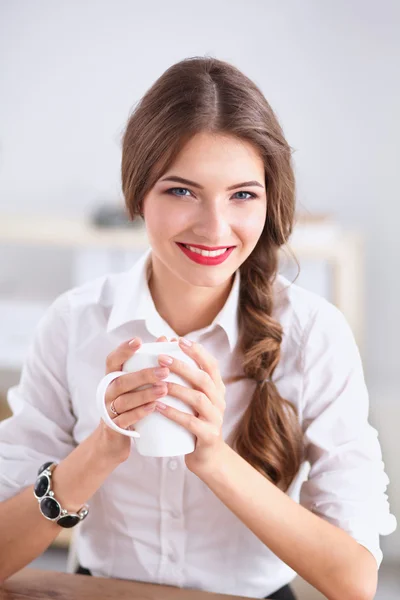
pixel 133 302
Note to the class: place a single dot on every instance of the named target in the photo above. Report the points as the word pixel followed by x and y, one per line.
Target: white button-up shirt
pixel 152 519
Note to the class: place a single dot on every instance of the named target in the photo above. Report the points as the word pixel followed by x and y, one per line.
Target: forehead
pixel 213 153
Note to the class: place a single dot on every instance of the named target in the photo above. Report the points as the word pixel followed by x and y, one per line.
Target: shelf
pixel 73 233
pixel 321 242
pixel 327 241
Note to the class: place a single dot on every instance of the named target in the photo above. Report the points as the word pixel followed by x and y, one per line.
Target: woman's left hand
pixel 207 399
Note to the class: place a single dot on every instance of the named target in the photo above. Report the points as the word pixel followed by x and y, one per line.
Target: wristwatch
pixel 49 505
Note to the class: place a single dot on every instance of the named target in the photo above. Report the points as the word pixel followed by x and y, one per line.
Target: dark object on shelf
pixel 109 215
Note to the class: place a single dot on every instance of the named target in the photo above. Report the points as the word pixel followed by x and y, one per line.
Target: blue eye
pixel 248 193
pixel 172 192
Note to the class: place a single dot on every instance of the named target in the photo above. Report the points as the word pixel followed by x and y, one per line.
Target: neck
pixel 184 307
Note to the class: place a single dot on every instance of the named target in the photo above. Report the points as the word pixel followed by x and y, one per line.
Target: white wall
pixel 71 71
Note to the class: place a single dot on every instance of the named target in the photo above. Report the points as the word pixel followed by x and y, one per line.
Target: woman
pixel 205 163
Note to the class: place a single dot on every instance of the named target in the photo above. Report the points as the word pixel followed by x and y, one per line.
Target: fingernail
pixel 185 342
pixel 161 372
pixel 163 358
pixel 161 405
pixel 134 342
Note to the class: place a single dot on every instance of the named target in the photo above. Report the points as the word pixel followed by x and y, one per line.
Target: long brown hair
pixel 205 94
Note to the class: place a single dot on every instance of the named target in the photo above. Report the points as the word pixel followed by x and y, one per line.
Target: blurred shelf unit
pixel 113 249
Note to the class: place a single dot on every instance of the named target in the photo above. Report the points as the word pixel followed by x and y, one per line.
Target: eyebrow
pixel 197 185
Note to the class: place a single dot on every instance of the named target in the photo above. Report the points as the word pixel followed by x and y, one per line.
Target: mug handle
pixel 101 404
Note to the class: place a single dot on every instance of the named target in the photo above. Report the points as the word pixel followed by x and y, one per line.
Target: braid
pixel 269 435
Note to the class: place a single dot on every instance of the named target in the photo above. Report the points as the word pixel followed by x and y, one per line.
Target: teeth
pixel 206 252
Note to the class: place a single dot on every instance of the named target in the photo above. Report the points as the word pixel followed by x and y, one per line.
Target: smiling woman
pixel 204 125
pixel 218 142
pixel 281 380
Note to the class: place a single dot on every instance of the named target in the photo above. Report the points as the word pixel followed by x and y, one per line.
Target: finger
pixel 198 401
pixel 117 357
pixel 206 362
pixel 130 381
pixel 134 399
pixel 128 419
pixel 200 380
pixel 204 431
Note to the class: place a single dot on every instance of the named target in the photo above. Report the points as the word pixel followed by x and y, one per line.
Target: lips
pixel 209 248
pixel 206 260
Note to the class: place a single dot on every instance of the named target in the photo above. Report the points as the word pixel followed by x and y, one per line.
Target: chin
pixel 208 280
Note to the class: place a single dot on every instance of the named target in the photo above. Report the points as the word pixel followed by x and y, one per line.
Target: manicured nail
pixel 161 372
pixel 161 405
pixel 185 342
pixel 134 342
pixel 163 358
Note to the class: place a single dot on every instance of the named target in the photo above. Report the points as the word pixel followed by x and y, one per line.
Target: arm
pixel 41 429
pixel 24 532
pixel 324 555
pixel 334 548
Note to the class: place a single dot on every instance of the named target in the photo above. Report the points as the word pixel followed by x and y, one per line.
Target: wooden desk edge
pixel 46 585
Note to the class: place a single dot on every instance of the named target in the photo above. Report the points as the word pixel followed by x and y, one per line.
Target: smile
pixel 202 258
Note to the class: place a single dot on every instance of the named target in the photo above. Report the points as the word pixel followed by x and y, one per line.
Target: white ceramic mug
pixel 155 434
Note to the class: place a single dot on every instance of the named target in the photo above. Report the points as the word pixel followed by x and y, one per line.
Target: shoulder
pixel 303 313
pixel 99 291
pixel 79 305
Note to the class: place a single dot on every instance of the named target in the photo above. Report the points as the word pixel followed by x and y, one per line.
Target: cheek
pixel 252 224
pixel 164 220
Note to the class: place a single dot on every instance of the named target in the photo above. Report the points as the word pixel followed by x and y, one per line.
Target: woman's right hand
pixel 131 405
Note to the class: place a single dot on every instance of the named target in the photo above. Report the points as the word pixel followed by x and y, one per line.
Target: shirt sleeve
pixel 41 426
pixel 346 483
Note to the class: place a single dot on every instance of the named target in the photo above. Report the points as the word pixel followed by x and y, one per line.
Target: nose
pixel 212 225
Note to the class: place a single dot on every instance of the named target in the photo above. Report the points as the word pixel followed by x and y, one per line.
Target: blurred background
pixel 71 72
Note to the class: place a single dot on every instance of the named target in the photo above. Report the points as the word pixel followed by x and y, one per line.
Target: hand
pixel 207 399
pixel 131 405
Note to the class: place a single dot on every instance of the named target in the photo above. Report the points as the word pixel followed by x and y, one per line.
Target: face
pixel 205 212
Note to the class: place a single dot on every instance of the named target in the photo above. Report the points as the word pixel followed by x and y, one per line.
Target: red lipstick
pixel 206 260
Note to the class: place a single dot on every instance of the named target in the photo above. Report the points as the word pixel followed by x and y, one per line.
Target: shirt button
pixel 173 465
pixel 172 557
